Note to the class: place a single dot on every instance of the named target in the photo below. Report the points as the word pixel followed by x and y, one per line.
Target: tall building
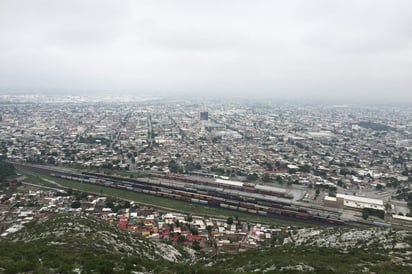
pixel 204 116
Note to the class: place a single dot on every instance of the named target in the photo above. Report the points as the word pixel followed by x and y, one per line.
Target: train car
pixel 328 220
pixel 203 202
pixel 270 190
pixel 302 215
pixel 262 200
pixel 185 198
pixel 288 213
pixel 214 203
pixel 233 207
pixel 261 208
pixel 137 189
pixel 336 221
pixel 196 195
pixel 224 205
pixel 232 202
pixel 247 205
pixel 242 209
pixel 274 210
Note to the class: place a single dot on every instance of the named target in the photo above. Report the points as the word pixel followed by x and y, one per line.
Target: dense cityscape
pixel 286 162
pixel 363 151
pixel 197 137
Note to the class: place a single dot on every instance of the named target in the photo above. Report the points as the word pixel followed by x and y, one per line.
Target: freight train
pixel 205 194
pixel 256 193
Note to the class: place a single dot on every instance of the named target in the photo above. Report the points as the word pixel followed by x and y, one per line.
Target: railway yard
pixel 255 198
pixel 271 160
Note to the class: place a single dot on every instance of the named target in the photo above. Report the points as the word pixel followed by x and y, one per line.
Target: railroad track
pixel 243 200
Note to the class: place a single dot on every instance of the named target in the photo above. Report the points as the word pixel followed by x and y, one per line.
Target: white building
pixel 361 202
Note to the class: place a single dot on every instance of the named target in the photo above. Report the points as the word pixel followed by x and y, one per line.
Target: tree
pixel 365 213
pixel 266 178
pixel 6 169
pixel 173 166
pixel 196 245
pixel 252 177
pixel 230 220
pixel 80 195
pixel 181 239
pixel 3 150
pixel 75 204
pixel 110 204
pixel 279 179
pixel 305 168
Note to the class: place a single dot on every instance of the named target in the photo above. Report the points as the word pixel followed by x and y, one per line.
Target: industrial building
pixel 351 201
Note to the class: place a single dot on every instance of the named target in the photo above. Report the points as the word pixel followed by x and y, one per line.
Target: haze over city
pixel 333 50
pixel 205 136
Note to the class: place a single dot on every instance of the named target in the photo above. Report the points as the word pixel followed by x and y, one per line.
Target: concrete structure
pixel 204 116
pixel 333 201
pixel 360 202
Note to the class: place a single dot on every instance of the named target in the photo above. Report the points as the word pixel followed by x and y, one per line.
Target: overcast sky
pixel 309 49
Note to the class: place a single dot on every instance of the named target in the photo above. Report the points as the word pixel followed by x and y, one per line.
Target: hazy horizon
pixel 341 51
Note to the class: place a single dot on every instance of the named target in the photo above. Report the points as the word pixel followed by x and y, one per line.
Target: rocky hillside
pixel 86 244
pixel 326 250
pixel 66 242
pixel 345 239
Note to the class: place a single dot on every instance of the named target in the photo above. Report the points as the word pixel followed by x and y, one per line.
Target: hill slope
pixel 86 244
pixel 330 250
pixel 66 242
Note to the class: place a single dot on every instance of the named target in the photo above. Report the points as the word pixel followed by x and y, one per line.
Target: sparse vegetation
pixel 64 243
pixel 6 170
pixel 375 126
pixel 366 212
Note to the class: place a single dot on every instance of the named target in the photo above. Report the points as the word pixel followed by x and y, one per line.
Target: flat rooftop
pixel 360 199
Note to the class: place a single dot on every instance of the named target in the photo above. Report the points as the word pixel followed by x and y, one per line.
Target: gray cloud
pixel 324 49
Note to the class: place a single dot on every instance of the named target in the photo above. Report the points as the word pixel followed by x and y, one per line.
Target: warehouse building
pixel 352 201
